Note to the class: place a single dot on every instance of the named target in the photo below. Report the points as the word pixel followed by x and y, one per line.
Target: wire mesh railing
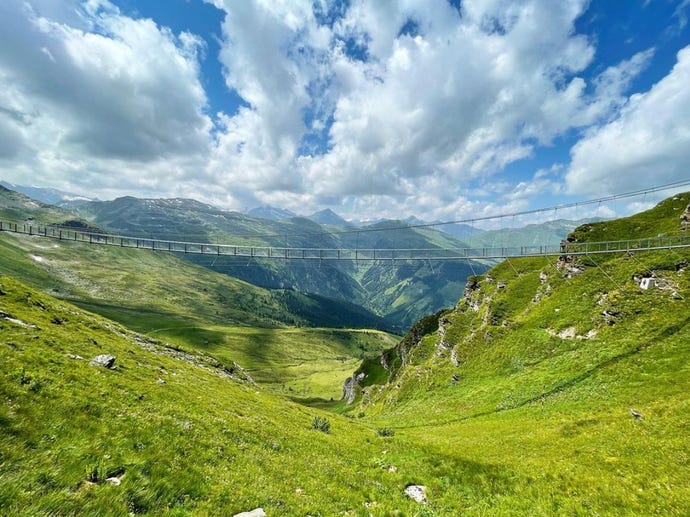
pixel 680 240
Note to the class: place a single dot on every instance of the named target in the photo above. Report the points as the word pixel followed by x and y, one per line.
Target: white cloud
pixel 458 101
pixel 98 102
pixel 646 145
pixel 104 92
pixel 272 55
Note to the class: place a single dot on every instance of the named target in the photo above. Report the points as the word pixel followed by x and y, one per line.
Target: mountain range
pixel 553 386
pixel 50 196
pixel 399 292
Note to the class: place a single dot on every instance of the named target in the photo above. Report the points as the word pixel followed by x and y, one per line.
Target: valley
pixel 553 386
pixel 344 258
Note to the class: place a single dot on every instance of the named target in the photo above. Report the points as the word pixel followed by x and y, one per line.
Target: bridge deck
pixel 290 253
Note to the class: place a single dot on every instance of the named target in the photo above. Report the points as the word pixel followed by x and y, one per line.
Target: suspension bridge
pixel 661 242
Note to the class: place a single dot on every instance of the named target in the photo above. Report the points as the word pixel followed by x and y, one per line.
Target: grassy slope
pixel 300 363
pixel 551 415
pixel 17 207
pixel 536 425
pixel 404 297
pixel 548 233
pixel 194 308
pixel 187 439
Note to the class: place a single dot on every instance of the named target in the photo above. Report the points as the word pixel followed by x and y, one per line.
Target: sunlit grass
pixel 535 420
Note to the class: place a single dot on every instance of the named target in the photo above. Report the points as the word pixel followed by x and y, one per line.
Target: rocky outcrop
pixel 471 288
pixel 394 359
pixel 685 219
pixel 471 285
pixel 350 387
pixel 420 329
pixel 443 345
pixel 569 265
pixel 454 357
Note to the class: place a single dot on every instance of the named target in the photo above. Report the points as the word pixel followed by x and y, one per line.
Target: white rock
pixel 647 283
pixel 257 512
pixel 416 492
pixel 105 360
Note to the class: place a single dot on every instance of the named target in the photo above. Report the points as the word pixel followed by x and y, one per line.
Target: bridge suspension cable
pixel 661 242
pixel 472 220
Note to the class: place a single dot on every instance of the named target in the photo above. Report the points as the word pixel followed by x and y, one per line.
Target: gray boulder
pixel 105 360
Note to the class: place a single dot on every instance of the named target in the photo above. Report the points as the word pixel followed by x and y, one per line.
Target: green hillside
pixel 18 207
pixel 163 432
pixel 194 308
pixel 267 331
pixel 566 377
pixel 553 387
pixel 399 292
pixel 548 233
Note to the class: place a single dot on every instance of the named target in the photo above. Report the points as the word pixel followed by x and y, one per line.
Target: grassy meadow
pixel 571 386
pixel 179 434
pixel 554 387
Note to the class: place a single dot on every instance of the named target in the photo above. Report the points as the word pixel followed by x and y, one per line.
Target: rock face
pixel 443 345
pixel 471 285
pixel 454 357
pixel 105 360
pixel 569 266
pixel 685 219
pixel 350 387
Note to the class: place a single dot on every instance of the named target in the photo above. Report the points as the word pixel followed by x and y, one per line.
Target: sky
pixel 439 109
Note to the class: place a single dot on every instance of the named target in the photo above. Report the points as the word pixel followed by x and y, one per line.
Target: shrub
pixel 321 423
pixel 385 431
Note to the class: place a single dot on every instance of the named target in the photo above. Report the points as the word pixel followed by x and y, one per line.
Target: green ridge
pixel 550 365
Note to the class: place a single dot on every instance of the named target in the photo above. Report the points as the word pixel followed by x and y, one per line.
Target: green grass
pixel 196 309
pixel 298 362
pixel 187 439
pixel 542 396
pixel 534 421
pixel 548 418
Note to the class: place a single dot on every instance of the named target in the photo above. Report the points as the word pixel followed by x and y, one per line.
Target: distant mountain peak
pixel 50 196
pixel 271 212
pixel 328 216
pixel 413 220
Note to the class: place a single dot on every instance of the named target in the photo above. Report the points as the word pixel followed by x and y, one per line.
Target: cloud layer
pixel 100 100
pixel 649 139
pixel 386 108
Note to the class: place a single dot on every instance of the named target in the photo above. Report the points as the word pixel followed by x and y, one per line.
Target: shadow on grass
pixel 336 406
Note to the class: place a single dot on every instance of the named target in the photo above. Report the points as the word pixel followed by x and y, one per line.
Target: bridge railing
pixel 268 252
